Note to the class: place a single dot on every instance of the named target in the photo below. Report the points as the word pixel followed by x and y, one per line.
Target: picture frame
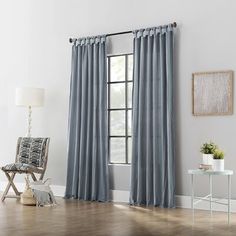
pixel 212 93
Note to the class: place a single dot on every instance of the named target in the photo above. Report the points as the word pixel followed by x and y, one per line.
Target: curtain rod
pixel 71 40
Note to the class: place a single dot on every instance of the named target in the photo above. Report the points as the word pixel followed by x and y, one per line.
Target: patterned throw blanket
pixel 43 193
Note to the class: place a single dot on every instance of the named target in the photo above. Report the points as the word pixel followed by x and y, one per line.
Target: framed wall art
pixel 212 93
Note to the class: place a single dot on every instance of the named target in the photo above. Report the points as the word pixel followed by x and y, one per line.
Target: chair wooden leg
pixel 10 178
pixel 10 184
pixel 42 175
pixel 6 191
pixel 33 177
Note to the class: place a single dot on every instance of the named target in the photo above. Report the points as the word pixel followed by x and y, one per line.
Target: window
pixel 120 84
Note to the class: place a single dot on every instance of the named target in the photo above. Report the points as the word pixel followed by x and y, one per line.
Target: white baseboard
pixel 185 202
pixel 182 201
pixel 58 190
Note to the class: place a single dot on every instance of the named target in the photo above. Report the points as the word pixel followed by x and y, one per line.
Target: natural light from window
pixel 120 84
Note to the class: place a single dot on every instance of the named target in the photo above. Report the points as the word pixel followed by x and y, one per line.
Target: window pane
pixel 117 68
pixel 130 67
pixel 129 150
pixel 129 95
pixel 129 122
pixel 117 123
pixel 117 150
pixel 117 95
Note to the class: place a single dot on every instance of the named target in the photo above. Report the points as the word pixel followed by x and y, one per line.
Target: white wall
pixel 34 51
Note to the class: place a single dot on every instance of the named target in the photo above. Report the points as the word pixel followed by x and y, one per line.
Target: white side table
pixel 208 198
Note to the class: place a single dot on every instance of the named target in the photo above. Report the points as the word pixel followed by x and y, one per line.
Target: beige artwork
pixel 212 93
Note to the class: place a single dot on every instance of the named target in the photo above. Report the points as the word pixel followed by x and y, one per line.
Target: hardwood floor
pixel 72 217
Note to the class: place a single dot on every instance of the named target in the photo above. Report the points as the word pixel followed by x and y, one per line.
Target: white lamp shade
pixel 30 97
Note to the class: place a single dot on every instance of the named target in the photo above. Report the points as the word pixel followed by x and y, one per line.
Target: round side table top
pixel 210 172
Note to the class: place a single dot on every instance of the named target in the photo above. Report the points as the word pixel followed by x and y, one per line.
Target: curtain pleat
pixel 87 173
pixel 153 173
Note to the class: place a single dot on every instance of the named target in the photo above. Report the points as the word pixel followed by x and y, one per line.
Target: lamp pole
pixel 29 121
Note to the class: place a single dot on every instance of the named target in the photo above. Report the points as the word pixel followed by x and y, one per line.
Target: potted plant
pixel 218 160
pixel 207 151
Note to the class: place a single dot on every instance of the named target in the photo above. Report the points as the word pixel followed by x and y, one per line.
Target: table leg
pixel 210 183
pixel 192 192
pixel 192 196
pixel 229 197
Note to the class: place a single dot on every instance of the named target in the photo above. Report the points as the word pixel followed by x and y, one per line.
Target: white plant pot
pixel 207 159
pixel 218 164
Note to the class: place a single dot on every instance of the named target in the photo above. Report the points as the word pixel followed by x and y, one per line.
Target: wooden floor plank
pixel 72 217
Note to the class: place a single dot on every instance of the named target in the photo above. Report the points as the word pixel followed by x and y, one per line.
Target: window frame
pixel 126 109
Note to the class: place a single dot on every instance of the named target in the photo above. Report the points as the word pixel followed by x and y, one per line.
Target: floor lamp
pixel 29 97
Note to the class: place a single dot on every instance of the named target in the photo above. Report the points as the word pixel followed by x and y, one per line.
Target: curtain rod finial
pixel 70 40
pixel 175 24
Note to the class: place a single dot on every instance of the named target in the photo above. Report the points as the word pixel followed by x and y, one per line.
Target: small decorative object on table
pixel 205 167
pixel 207 151
pixel 218 160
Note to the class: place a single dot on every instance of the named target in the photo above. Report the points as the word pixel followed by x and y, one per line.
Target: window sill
pixel 119 164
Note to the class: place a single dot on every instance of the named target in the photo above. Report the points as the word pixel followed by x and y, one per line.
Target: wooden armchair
pixel 31 159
